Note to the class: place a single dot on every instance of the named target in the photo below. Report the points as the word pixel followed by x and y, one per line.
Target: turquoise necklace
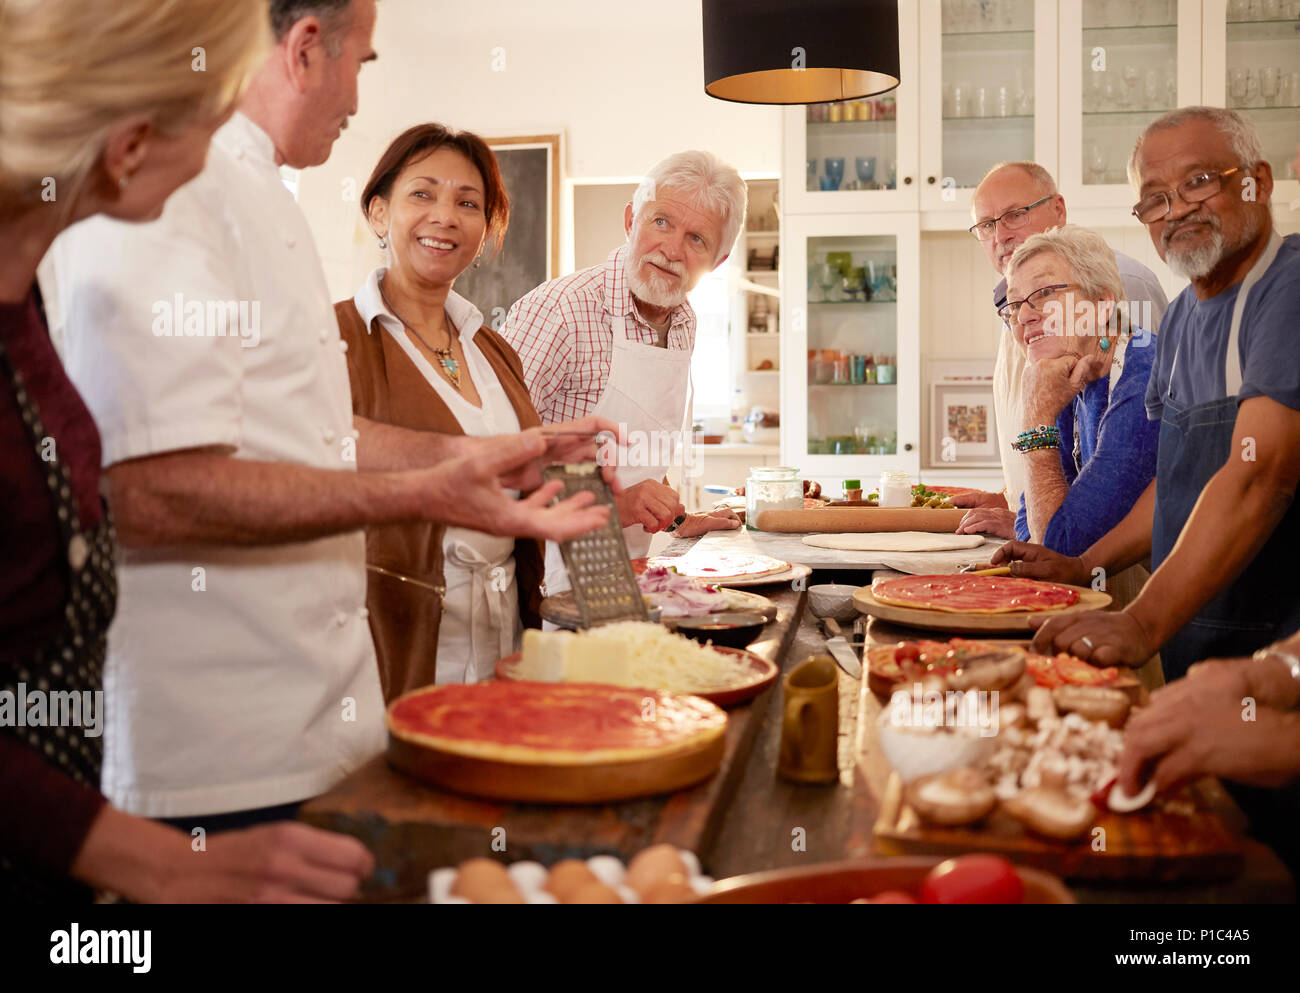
pixel 450 368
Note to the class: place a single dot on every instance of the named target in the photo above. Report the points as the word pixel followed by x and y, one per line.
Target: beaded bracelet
pixel 1043 436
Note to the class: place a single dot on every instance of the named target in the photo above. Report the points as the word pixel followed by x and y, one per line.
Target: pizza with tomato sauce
pixel 965 594
pixel 554 723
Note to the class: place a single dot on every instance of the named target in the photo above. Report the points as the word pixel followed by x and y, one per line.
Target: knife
pixel 840 649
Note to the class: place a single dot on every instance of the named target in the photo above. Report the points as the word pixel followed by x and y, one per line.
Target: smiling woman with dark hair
pixel 445 603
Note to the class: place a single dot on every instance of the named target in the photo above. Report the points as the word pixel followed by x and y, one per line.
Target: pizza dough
pixel 895 541
pixel 722 567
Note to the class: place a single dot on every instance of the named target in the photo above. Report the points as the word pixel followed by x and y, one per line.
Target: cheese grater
pixel 604 586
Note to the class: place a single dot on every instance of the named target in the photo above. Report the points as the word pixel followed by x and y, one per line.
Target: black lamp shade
pixel 799 51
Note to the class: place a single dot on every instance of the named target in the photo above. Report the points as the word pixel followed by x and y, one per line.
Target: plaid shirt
pixel 564 333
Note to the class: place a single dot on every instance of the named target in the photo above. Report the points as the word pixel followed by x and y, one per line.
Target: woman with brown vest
pixel 445 603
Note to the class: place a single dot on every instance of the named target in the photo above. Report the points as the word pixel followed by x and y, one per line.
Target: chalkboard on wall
pixel 530 169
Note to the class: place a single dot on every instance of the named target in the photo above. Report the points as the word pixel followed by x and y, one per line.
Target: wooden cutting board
pixel 1148 845
pixel 1016 622
pixel 840 520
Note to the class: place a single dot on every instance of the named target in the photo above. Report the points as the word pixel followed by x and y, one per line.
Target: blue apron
pixel 1263 604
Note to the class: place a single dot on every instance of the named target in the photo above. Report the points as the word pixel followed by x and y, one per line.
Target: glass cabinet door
pixel 1136 59
pixel 1260 76
pixel 856 155
pixel 989 71
pixel 851 402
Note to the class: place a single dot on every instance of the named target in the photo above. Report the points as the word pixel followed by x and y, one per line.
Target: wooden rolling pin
pixel 842 520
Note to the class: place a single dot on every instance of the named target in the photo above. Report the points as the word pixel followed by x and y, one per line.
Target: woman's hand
pixel 989 520
pixel 1048 386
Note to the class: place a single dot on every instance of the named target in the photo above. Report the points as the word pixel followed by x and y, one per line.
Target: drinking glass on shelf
pixel 1238 10
pixel 961 94
pixel 812 174
pixel 828 277
pixel 1237 87
pixel 1095 91
pixel 1255 11
pixel 982 102
pixel 1171 84
pixel 1294 80
pixel 1268 84
pixel 1003 101
pixel 865 166
pixel 835 171
pixel 1252 87
pixel 1152 89
pixel 893 174
pixel 1096 163
pixel 1132 76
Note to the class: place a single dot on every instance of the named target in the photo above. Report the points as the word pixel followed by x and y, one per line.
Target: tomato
pixel 1044 673
pixel 907 651
pixel 973 879
pixel 1081 673
pixel 893 896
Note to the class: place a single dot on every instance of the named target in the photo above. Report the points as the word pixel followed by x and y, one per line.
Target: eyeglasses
pixel 1011 308
pixel 1014 218
pixel 1195 189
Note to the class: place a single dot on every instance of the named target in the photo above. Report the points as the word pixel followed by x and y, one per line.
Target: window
pixel 711 362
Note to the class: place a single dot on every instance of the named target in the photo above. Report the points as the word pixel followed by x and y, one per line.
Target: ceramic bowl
pixel 834 600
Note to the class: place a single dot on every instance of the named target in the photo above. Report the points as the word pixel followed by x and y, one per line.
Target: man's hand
pixel 651 504
pixel 1203 725
pixel 1048 386
pixel 989 520
pixel 1037 562
pixel 468 492
pixel 275 863
pixel 1112 637
pixel 573 441
pixel 715 520
pixel 979 498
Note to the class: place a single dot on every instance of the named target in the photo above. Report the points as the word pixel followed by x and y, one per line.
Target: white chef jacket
pixel 480 619
pixel 236 677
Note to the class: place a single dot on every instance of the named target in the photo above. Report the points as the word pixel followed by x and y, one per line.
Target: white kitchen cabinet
pixel 850 358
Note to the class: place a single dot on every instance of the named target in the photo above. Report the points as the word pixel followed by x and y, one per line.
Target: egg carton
pixel 530 877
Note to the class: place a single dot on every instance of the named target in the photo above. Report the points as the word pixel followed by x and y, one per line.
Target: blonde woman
pixel 103 110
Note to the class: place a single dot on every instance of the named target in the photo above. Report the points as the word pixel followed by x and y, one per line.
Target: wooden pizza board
pixel 526 782
pixel 839 520
pixel 562 609
pixel 1016 622
pixel 1147 845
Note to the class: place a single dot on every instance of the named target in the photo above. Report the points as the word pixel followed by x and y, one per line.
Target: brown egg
pixel 674 889
pixel 567 877
pixel 656 863
pixel 596 892
pixel 503 894
pixel 478 878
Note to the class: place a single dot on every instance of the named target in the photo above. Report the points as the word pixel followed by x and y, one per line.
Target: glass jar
pixel 895 488
pixel 771 488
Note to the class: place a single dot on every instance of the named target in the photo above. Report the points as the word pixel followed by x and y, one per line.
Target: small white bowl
pixel 834 600
pixel 914 752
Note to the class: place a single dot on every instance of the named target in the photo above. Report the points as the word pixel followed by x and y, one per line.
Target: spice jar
pixel 895 488
pixel 771 488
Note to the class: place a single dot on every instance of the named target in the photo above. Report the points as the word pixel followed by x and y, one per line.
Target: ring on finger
pixel 1088 641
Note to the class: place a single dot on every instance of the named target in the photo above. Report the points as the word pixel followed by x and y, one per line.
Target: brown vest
pixel 405 598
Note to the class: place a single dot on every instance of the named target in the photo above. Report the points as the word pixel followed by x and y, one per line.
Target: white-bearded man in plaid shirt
pixel 616 339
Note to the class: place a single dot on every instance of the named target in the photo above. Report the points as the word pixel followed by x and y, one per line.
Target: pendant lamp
pixel 799 51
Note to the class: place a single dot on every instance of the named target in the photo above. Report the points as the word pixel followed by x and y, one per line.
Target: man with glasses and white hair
pixel 1014 202
pixel 615 340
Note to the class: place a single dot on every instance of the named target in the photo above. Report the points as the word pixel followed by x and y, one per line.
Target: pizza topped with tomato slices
pixel 553 723
pixel 968 594
pixel 914 661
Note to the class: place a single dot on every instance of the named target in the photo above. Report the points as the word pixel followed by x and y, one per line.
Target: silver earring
pixel 478 259
pixel 383 242
pixel 121 183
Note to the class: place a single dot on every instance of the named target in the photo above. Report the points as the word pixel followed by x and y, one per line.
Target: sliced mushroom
pixel 1096 703
pixel 1039 705
pixel 950 798
pixel 995 670
pixel 1052 812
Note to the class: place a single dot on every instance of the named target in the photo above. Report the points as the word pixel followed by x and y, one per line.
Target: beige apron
pixel 648 395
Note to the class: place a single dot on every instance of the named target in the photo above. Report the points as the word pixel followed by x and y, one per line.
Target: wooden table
pixel 745 819
pixel 412 827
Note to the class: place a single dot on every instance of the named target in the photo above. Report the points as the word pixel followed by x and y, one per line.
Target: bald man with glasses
pixel 1014 202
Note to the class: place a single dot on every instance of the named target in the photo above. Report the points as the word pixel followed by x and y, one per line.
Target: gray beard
pixel 1198 263
pixel 653 294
